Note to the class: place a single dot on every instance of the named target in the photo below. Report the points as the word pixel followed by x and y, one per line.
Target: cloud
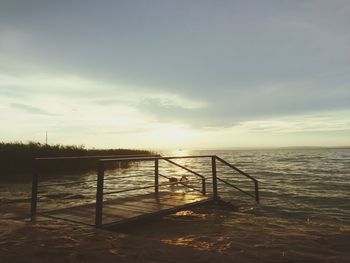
pixel 31 109
pixel 317 122
pixel 220 65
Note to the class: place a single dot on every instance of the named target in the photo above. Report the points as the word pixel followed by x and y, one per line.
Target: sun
pixel 174 134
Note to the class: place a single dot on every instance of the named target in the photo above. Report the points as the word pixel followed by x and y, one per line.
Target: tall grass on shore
pixel 16 158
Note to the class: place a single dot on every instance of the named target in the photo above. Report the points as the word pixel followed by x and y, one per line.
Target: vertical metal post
pixel 215 184
pixel 99 193
pixel 257 198
pixel 203 186
pixel 156 176
pixel 34 199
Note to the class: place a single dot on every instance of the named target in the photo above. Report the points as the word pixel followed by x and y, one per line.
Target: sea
pixel 303 214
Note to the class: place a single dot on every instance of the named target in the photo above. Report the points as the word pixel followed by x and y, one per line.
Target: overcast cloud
pixel 194 64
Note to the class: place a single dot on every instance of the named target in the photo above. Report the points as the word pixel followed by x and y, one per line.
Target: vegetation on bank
pixel 16 158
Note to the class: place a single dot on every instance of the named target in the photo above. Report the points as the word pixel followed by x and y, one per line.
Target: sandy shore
pixel 209 234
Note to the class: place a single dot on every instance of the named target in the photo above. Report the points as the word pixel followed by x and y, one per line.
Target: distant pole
pixel 46 138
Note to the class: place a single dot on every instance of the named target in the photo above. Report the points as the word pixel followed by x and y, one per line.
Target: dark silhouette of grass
pixel 16 159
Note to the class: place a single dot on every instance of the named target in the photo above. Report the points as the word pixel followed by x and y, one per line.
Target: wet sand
pixel 210 234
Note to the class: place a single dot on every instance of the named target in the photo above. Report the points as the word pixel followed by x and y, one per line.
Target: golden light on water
pixel 179 152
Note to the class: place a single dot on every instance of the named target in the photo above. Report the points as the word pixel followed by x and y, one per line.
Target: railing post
pixel 203 186
pixel 156 176
pixel 257 198
pixel 215 183
pixel 34 199
pixel 99 193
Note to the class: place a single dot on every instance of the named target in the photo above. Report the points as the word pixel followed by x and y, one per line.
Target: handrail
pixel 100 179
pixel 185 168
pixel 235 168
pixel 184 184
pixel 94 157
pixel 168 159
pixel 123 177
pixel 239 189
pixel 256 186
pixel 158 157
pixel 66 183
pixel 35 173
pixel 102 160
pixel 142 187
pixel 191 171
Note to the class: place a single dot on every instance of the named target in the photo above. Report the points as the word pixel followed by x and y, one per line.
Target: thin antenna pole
pixel 46 138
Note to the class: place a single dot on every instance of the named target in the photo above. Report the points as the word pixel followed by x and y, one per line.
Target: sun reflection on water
pixel 179 152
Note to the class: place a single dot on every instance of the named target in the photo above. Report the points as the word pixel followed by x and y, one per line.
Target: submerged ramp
pixel 106 211
pixel 132 209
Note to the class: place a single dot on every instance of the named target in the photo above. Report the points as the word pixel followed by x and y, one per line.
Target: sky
pixel 181 74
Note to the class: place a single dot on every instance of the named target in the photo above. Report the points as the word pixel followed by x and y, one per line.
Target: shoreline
pixel 298 220
pixel 211 234
pixel 16 159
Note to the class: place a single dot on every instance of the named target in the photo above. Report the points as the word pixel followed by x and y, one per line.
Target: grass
pixel 16 159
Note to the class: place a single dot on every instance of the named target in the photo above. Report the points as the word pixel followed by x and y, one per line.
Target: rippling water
pixel 303 183
pixel 311 184
pixel 304 210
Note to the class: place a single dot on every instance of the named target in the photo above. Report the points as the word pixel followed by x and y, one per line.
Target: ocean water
pixel 303 215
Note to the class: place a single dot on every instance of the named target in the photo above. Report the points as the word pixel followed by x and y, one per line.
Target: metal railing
pixel 100 178
pixel 35 175
pixel 101 172
pixel 190 171
pixel 103 160
pixel 183 183
pixel 256 186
